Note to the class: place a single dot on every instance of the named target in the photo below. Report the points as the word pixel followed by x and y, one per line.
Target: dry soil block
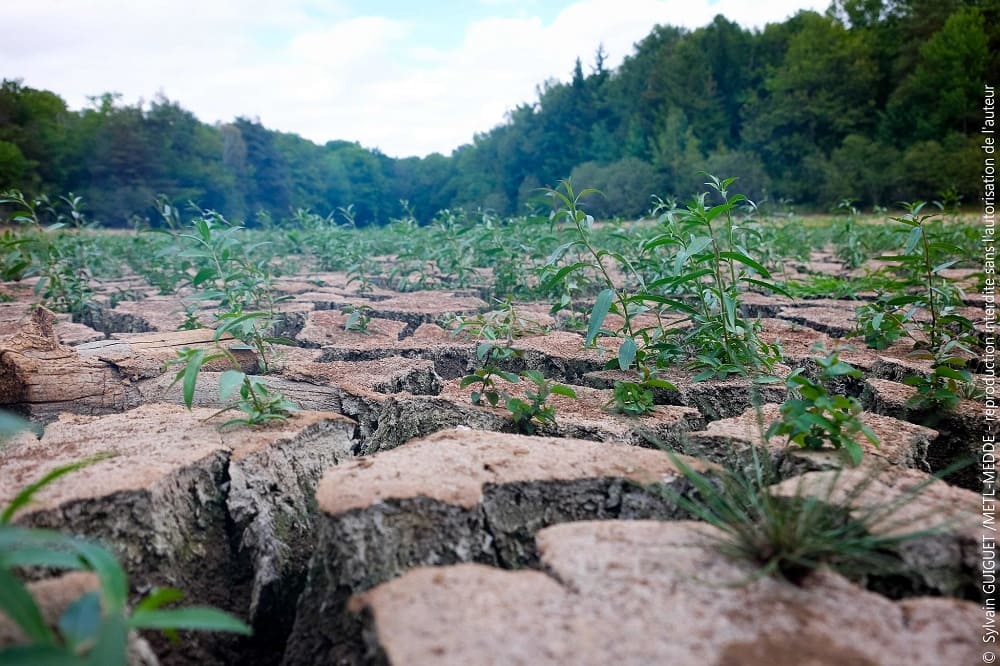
pixel 653 593
pixel 900 443
pixel 224 516
pixel 714 398
pixel 961 429
pixel 326 327
pixel 452 357
pixel 147 355
pixel 587 416
pixel 459 496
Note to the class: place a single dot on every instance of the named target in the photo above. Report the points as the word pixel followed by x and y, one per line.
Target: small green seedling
pixel 528 415
pixel 484 377
pixel 632 399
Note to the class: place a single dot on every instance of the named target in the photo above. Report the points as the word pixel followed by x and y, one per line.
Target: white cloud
pixel 314 68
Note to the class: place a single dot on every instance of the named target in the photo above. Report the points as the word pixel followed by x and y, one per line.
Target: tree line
pixel 874 100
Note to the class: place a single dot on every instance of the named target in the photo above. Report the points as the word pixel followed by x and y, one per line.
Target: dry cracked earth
pixel 392 521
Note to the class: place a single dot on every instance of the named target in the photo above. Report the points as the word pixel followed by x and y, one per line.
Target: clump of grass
pixel 789 537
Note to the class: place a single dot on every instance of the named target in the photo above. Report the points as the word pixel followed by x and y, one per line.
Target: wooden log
pixel 41 377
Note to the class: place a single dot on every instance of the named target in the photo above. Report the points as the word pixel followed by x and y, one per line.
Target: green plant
pixel 599 262
pixel 812 417
pixel 528 414
pixel 946 384
pixel 788 537
pixel 490 355
pixel 359 317
pixel 191 319
pixel 940 334
pixel 93 629
pixel 882 321
pixel 631 399
pixel 61 259
pixel 849 248
pixel 504 323
pixel 260 403
pixel 713 263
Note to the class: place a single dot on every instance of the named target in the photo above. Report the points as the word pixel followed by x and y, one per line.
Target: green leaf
pixel 114 584
pixel 746 261
pixel 561 273
pixel 112 642
pixel 159 597
pixel 191 377
pixel 597 315
pixel 563 390
pixel 193 618
pixel 660 383
pixel 81 621
pixel 626 353
pixel 17 604
pixel 229 382
pixel 37 655
pixel 769 286
pixel 916 233
pixel 468 380
pixel 28 492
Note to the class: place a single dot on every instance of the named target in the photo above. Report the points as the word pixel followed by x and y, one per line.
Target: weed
pixel 882 321
pixel 943 337
pixel 359 317
pixel 849 248
pixel 260 403
pixel 789 537
pixel 631 399
pixel 612 298
pixel 527 415
pixel 484 377
pixel 506 323
pixel 713 262
pixel 813 417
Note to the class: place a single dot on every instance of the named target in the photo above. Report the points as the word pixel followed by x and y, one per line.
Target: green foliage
pixel 712 263
pixel 948 382
pixel 260 403
pixel 812 417
pixel 535 411
pixel 61 254
pixel 94 628
pixel 358 318
pixel 940 334
pixel 505 323
pixel 882 322
pixel 582 256
pixel 632 399
pixel 484 378
pixel 789 537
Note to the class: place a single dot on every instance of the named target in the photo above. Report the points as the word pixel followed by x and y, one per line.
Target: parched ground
pixel 391 520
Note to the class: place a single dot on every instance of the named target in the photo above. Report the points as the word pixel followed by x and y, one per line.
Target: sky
pixel 408 77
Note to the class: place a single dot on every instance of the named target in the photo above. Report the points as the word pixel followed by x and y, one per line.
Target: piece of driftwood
pixel 41 377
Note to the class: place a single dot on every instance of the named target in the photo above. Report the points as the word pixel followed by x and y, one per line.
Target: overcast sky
pixel 409 77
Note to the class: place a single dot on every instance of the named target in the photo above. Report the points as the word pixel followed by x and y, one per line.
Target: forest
pixel 875 101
